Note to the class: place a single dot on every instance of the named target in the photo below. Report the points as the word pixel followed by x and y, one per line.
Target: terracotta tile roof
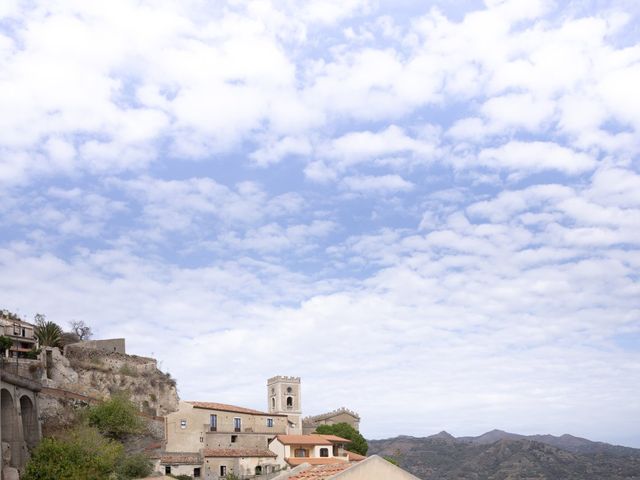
pixel 321 472
pixel 238 452
pixel 169 458
pixel 312 439
pixel 232 408
pixel 333 438
pixel 294 461
pixel 355 457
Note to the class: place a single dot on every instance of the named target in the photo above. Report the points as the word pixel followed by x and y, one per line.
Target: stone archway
pixel 10 427
pixel 29 422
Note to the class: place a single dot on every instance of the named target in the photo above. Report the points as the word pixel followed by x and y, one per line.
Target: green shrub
pixel 358 443
pixel 128 371
pixel 116 418
pixel 134 466
pixel 80 454
pixel 5 343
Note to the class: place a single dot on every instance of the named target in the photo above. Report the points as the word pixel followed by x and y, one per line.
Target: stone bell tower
pixel 284 397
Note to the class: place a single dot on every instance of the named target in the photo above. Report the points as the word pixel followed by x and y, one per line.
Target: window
pixel 183 424
pixel 289 401
pixel 237 424
pixel 213 423
pixel 234 438
pixel 289 389
pixel 196 472
pixel 24 332
pixel 300 452
pixel 223 470
pixel 324 452
pixel 270 422
pixel 259 470
pixel 273 402
pixel 167 469
pixel 16 329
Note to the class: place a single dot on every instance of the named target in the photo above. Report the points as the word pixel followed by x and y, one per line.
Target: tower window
pixel 289 390
pixel 289 401
pixel 273 403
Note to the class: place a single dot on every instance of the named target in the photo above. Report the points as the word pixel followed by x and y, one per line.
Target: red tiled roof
pixel 311 439
pixel 180 458
pixel 355 457
pixel 333 438
pixel 294 461
pixel 232 408
pixel 238 452
pixel 320 472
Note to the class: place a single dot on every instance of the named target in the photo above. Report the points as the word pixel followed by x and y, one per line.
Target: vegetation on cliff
pixel 92 448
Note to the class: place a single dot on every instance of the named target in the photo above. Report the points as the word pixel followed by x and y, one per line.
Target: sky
pixel 427 210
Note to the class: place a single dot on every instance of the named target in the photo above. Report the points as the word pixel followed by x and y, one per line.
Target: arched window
pixel 273 402
pixel 324 452
pixel 289 401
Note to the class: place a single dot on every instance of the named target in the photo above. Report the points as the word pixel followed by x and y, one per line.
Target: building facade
pixel 340 415
pixel 21 333
pixel 284 396
pixel 212 440
pixel 224 438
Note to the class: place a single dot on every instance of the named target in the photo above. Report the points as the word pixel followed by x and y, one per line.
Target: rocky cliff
pixel 93 374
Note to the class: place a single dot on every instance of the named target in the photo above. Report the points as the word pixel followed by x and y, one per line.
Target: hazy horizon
pixel 429 211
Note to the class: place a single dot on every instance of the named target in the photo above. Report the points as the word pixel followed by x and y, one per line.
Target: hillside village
pixel 43 388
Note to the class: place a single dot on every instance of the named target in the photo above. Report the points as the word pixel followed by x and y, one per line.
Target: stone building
pixel 21 333
pixel 211 440
pixel 340 415
pixel 223 438
pixel 285 398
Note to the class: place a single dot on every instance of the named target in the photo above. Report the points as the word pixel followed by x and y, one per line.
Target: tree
pixel 5 343
pixel 358 443
pixel 81 330
pixel 49 334
pixel 79 454
pixel 116 418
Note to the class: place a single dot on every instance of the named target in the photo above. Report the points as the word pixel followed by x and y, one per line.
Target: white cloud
pixel 382 183
pixel 535 157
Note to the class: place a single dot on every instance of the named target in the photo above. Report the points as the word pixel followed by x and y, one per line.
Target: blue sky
pixel 430 211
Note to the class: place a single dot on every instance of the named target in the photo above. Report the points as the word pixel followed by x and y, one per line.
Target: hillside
pixel 502 456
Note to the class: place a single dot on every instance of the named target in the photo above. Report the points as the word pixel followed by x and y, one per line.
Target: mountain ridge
pixel 500 455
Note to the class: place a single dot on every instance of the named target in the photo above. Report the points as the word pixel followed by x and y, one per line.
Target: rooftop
pixel 320 472
pixel 170 458
pixel 238 452
pixel 311 439
pixel 232 408
pixel 295 461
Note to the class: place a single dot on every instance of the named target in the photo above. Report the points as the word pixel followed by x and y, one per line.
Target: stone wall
pixel 116 345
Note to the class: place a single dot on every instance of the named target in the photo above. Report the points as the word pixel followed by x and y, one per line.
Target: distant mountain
pixel 499 455
pixel 564 442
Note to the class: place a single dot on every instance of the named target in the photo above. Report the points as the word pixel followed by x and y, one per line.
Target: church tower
pixel 284 397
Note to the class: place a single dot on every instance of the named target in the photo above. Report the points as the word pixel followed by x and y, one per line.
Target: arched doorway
pixel 10 428
pixel 29 422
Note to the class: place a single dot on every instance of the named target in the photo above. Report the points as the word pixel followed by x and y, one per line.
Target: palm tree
pixel 49 334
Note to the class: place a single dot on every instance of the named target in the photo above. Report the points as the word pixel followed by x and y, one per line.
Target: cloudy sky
pixel 428 210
